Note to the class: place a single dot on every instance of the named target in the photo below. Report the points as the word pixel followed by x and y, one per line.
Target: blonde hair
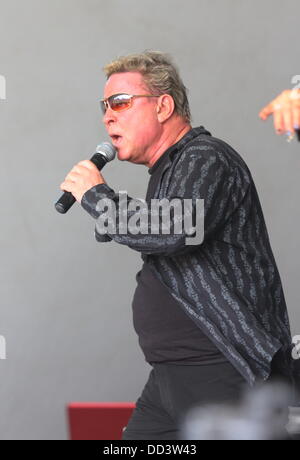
pixel 160 76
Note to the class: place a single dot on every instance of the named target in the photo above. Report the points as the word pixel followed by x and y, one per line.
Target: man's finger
pixel 87 164
pixel 296 114
pixel 79 169
pixel 288 119
pixel 278 122
pixel 66 186
pixel 72 176
pixel 267 111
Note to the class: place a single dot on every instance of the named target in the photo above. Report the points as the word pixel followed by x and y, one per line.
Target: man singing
pixel 211 317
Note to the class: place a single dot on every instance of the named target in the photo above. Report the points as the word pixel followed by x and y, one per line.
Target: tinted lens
pixel 119 102
pixel 103 106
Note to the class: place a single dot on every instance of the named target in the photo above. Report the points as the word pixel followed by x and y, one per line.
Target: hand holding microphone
pixel 85 175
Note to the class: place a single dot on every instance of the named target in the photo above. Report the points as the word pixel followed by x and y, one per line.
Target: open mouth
pixel 116 140
pixel 115 137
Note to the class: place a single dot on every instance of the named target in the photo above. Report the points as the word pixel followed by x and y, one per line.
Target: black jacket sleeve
pixel 204 188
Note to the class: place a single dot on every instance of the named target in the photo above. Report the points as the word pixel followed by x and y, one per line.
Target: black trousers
pixel 172 390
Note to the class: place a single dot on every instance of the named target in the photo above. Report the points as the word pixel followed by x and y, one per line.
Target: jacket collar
pixel 171 151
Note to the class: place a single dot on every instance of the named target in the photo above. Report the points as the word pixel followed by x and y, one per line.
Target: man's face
pixel 138 127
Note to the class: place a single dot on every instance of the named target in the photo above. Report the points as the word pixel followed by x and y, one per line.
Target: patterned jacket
pixel 229 284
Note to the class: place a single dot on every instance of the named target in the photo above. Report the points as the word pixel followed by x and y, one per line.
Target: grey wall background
pixel 66 299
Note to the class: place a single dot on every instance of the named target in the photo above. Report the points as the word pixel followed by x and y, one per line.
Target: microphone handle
pixel 67 200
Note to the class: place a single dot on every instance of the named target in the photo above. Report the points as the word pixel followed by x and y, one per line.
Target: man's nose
pixel 109 116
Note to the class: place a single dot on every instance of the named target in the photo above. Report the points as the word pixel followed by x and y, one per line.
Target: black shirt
pixel 228 284
pixel 165 331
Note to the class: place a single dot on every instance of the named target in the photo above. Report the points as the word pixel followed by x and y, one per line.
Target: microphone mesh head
pixel 106 149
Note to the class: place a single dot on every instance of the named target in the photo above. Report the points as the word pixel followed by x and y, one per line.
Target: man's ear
pixel 165 107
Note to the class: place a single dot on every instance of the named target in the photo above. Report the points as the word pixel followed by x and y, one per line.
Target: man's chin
pixel 122 155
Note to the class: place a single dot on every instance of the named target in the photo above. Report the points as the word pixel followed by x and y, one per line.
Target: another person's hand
pixel 285 110
pixel 81 178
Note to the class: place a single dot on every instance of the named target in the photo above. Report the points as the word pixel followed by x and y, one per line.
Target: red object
pixel 97 421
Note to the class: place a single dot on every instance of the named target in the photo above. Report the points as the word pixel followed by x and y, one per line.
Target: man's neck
pixel 170 138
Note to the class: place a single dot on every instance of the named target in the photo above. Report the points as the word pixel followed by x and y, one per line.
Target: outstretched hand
pixel 285 109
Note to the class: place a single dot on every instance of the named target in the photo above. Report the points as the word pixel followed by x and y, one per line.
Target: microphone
pixel 105 152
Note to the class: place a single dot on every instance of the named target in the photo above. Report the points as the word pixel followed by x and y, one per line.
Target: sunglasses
pixel 121 101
